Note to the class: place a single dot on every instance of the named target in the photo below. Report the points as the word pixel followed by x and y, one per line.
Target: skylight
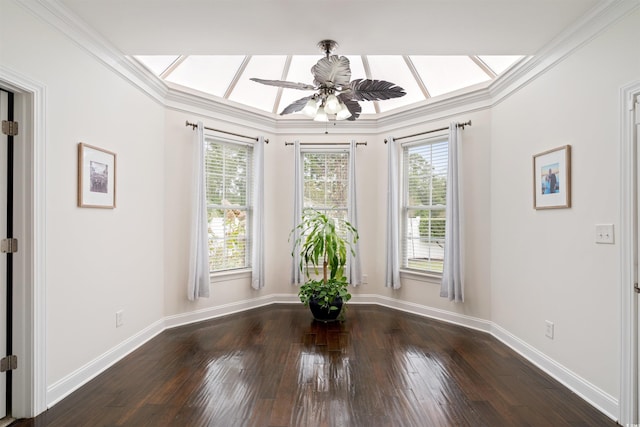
pixel 421 76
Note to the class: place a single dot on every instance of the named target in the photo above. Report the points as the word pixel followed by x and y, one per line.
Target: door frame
pixel 29 380
pixel 629 221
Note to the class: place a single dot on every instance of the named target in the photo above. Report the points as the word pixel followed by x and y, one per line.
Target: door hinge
pixel 636 288
pixel 9 128
pixel 9 246
pixel 8 363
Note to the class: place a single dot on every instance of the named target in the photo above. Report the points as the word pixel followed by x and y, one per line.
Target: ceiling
pixel 220 44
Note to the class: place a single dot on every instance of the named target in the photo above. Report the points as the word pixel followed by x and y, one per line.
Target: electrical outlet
pixel 549 329
pixel 365 279
pixel 119 318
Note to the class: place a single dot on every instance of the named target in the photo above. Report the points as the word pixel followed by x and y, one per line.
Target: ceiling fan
pixel 336 94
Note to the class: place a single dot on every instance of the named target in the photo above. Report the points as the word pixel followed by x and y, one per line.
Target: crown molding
pixel 571 39
pixel 58 16
pixel 184 99
pixel 467 100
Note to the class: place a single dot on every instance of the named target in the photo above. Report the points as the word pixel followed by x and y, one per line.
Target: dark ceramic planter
pixel 323 314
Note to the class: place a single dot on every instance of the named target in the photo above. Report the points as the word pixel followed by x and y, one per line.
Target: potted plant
pixel 324 241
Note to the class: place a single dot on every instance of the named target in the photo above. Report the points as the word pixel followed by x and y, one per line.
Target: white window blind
pixel 424 203
pixel 228 169
pixel 326 182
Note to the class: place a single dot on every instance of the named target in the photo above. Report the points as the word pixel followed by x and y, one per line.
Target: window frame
pixel 325 150
pixel 405 270
pixel 319 150
pixel 245 271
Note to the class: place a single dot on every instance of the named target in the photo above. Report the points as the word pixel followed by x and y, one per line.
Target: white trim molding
pixel 596 397
pixel 470 99
pixel 629 370
pixel 226 309
pixel 34 131
pixel 67 385
pixel 590 393
pixel 424 311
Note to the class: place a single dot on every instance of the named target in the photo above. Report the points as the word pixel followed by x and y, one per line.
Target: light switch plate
pixel 604 233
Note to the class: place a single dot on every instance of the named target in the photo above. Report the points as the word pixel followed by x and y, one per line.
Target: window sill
pixel 223 276
pixel 421 276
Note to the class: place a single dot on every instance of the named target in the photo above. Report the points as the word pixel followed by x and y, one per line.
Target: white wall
pixel 476 149
pixel 225 292
pixel 545 264
pixel 97 260
pixel 523 266
pixel 372 183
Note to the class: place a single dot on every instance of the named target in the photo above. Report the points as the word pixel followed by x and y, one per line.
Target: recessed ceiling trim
pixel 236 77
pixel 483 66
pixel 367 73
pixel 416 76
pixel 171 68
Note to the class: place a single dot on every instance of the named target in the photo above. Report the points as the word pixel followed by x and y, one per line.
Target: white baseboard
pixel 218 311
pixel 596 397
pixel 422 310
pixel 602 401
pixel 62 388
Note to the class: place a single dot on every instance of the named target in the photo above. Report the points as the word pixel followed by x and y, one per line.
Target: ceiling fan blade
pixel 374 90
pixel 353 106
pixel 333 71
pixel 285 84
pixel 296 106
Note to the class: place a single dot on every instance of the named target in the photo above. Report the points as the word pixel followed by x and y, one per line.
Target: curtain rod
pixel 460 125
pixel 194 125
pixel 325 143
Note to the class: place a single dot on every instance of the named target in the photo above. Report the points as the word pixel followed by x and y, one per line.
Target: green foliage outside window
pixel 228 183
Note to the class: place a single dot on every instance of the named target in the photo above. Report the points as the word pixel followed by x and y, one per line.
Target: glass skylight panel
pixel 357 72
pixel 210 74
pixel 299 72
pixel 500 63
pixel 268 67
pixel 394 69
pixel 444 74
pixel 156 63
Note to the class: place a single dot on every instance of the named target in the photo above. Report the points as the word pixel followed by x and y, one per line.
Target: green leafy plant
pixel 324 241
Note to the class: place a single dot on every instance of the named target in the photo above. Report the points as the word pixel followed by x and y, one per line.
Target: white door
pixel 3 264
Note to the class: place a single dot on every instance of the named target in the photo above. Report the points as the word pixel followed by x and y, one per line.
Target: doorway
pixel 28 380
pixel 7 364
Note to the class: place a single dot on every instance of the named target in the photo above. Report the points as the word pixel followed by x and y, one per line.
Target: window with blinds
pixel 228 175
pixel 424 204
pixel 326 182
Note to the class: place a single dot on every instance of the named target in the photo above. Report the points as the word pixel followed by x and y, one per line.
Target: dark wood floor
pixel 275 366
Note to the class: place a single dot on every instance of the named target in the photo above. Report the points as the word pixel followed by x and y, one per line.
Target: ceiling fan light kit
pixel 336 95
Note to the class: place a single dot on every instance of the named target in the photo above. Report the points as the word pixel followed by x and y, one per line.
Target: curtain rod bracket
pixel 460 125
pixel 194 125
pixel 325 143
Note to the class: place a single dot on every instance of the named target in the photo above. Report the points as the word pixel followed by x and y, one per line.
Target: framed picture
pixel 96 177
pixel 552 179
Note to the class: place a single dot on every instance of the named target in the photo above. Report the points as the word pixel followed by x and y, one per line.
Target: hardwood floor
pixel 275 366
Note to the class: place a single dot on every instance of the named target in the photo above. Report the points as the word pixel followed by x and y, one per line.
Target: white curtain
pixel 257 229
pixel 296 274
pixel 392 276
pixel 354 269
pixel 453 273
pixel 198 284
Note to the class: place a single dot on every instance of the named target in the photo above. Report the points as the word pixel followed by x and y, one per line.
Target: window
pixel 326 182
pixel 424 204
pixel 228 171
